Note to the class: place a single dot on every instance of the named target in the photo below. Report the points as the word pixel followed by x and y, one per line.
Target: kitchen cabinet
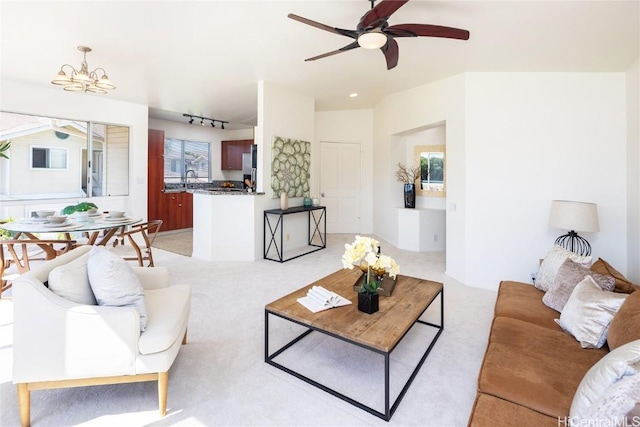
pixel 178 211
pixel 174 209
pixel 231 156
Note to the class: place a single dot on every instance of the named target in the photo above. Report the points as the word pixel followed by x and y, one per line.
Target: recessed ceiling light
pixel 353 95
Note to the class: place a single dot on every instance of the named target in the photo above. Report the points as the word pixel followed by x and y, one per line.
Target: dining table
pixel 91 226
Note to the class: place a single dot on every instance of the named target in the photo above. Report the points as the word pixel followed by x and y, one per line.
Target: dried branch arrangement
pixel 407 175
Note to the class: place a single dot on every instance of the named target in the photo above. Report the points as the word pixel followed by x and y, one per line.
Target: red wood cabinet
pixel 174 209
pixel 231 156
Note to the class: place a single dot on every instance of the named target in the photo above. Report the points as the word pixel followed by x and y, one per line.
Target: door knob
pixel 321 194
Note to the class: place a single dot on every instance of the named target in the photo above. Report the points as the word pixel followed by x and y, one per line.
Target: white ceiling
pixel 206 57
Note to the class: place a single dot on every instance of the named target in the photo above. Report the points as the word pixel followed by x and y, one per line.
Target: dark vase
pixel 409 195
pixel 368 303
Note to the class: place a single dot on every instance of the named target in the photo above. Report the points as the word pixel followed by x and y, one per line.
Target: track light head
pixel 222 125
pixel 213 124
pixel 191 121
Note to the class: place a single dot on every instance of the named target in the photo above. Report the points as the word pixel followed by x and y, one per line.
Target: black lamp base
pixel 574 243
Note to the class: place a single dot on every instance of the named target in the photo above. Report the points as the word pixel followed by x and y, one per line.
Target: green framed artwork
pixel 290 167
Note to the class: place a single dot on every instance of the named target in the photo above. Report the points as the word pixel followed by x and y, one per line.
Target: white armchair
pixel 59 343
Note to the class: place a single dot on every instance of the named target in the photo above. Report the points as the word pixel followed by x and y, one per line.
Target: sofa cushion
pixel 625 326
pixel 569 275
pixel 551 264
pixel 534 366
pixel 622 283
pixel 523 301
pixel 114 283
pixel 620 363
pixel 168 310
pixel 71 281
pixel 491 411
pixel 589 312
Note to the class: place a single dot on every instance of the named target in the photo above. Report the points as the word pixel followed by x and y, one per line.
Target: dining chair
pixel 21 252
pixel 144 235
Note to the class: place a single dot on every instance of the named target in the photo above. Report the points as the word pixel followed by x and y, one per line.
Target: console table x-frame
pixel 380 332
pixel 317 230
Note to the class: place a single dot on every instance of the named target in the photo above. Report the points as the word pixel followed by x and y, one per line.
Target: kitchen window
pixel 183 156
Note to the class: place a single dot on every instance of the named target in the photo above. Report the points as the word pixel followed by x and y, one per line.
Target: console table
pixel 317 229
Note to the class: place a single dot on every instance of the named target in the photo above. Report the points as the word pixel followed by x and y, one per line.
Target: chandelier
pixel 83 79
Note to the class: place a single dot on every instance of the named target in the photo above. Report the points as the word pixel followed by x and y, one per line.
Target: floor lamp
pixel 574 216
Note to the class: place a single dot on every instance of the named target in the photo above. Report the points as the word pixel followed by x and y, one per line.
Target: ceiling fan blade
pixel 343 32
pixel 391 53
pixel 425 30
pixel 380 13
pixel 342 49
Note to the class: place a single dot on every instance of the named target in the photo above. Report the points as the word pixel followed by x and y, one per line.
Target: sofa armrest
pixel 152 277
pixel 54 338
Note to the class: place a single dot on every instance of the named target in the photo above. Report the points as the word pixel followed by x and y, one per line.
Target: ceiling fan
pixel 373 31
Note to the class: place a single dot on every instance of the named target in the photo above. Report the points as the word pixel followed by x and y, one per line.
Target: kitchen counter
pixel 218 192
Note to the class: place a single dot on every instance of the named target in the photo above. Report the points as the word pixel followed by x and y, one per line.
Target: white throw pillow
pixel 71 281
pixel 620 363
pixel 114 282
pixel 615 404
pixel 589 312
pixel 551 264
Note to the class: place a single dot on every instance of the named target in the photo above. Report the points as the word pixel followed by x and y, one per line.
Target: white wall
pixel 633 171
pixel 284 113
pixel 49 100
pixel 531 138
pixel 407 112
pixel 348 126
pixel 214 136
pixel 515 141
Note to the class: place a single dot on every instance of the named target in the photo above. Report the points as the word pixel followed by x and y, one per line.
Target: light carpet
pixel 180 242
pixel 220 379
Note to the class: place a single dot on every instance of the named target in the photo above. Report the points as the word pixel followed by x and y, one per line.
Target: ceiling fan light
pixel 372 40
pixel 61 79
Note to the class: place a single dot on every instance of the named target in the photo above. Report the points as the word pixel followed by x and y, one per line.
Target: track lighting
pixel 202 120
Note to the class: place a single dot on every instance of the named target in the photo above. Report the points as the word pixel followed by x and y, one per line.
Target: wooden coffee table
pixel 379 332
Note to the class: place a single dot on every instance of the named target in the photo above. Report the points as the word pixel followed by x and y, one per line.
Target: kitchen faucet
pixel 186 178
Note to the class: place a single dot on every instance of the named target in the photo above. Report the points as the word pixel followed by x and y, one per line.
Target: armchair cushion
pixel 114 283
pixel 71 281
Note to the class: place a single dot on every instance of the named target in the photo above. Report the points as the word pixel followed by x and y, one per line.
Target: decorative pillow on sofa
pixel 569 275
pixel 588 313
pixel 551 264
pixel 625 326
pixel 617 365
pixel 114 282
pixel 71 281
pixel 614 405
pixel 622 283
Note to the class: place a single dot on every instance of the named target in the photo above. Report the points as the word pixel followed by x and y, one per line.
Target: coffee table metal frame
pixel 389 408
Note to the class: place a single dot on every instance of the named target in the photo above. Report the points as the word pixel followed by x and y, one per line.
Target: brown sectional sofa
pixel 532 368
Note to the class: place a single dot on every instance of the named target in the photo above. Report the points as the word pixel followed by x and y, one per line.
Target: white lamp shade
pixel 61 79
pixel 576 216
pixel 372 40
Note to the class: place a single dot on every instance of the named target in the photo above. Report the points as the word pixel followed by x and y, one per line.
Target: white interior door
pixel 340 175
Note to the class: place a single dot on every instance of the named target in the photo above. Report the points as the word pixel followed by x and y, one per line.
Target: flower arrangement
pixel 364 252
pixel 407 175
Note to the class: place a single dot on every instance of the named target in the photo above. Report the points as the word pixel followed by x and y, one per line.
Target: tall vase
pixel 409 195
pixel 284 201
